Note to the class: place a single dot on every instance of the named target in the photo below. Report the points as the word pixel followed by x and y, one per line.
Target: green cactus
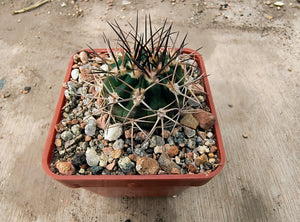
pixel 147 83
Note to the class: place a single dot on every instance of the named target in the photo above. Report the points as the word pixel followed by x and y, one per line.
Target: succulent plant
pixel 147 83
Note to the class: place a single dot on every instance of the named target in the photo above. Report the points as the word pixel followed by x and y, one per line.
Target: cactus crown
pixel 147 83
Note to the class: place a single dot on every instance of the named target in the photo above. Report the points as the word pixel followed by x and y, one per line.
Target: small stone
pixel 209 142
pixel 66 135
pixel 79 159
pixel 201 160
pixel 211 155
pixel 209 135
pixel 162 172
pixel 279 4
pixel 75 74
pixel 126 164
pixel 116 153
pixel 192 168
pixel 245 135
pixel 172 151
pixel 83 57
pixel 213 149
pixel 166 134
pixel 268 3
pixel 156 141
pixel 133 157
pixel 63 4
pixel 76 130
pixel 199 141
pixel 202 134
pixel 111 165
pixel 175 171
pixel 103 160
pixel 197 88
pixel 202 149
pixel 206 119
pixel 90 130
pixel 96 170
pixel 74 121
pixel 141 136
pixel 191 143
pixel 107 150
pixel 113 132
pixel 101 122
pixel 147 166
pixel 65 168
pixel 177 159
pixel 212 160
pixel 92 158
pixel 58 142
pixel 166 163
pixel 159 149
pixel 128 134
pixel 87 138
pixel 189 132
pixel 189 121
pixel 289 69
pixel 118 144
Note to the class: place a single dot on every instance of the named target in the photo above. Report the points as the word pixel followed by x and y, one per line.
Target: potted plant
pixel 135 120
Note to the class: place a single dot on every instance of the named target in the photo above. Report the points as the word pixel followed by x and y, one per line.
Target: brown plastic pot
pixel 132 185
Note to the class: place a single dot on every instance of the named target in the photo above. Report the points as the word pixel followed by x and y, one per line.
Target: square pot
pixel 132 185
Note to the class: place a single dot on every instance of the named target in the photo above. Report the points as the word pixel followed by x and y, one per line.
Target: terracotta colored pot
pixel 132 185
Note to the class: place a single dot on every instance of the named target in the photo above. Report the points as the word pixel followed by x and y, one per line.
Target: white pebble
pixel 113 132
pixel 209 134
pixel 158 149
pixel 103 160
pixel 75 74
pixel 92 158
pixel 202 149
pixel 177 159
pixel 118 144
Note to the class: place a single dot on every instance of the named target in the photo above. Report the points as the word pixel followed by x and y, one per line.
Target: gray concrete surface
pixel 251 52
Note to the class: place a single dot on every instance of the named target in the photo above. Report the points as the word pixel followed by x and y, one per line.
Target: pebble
pixel 192 168
pixel 177 159
pixel 116 153
pixel 81 171
pixel 126 164
pixel 159 149
pixel 133 157
pixel 171 141
pixel 199 141
pixel 66 135
pixel 202 149
pixel 191 143
pixel 202 134
pixel 189 120
pixel 189 132
pixel 75 74
pixel 83 57
pixel 58 142
pixel 76 130
pixel 209 142
pixel 172 151
pixel 205 119
pixel 65 168
pixel 211 155
pixel 92 158
pixel 166 163
pixel 175 171
pixel 197 88
pixel 118 144
pixel 79 159
pixel 107 150
pixel 90 130
pixel 111 165
pixel 141 136
pixel 87 138
pixel 213 149
pixel 245 135
pixel 156 141
pixel 279 4
pixel 113 132
pixel 209 135
pixel 147 166
pixel 103 160
pixel 212 160
pixel 201 160
pixel 96 170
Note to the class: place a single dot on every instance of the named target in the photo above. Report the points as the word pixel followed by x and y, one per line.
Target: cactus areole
pixel 146 82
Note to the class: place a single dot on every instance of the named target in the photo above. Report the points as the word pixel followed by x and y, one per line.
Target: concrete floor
pixel 251 52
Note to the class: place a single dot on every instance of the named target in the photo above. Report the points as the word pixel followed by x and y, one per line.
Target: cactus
pixel 147 83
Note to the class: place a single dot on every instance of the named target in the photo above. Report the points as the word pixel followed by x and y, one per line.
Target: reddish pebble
pixel 111 165
pixel 74 121
pixel 87 138
pixel 58 142
pixel 100 137
pixel 206 119
pixel 147 166
pixel 82 125
pixel 65 168
pixel 101 122
pixel 172 151
pixel 175 171
pixel 202 134
pixel 107 150
pixel 133 157
pixel 213 149
pixel 192 168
